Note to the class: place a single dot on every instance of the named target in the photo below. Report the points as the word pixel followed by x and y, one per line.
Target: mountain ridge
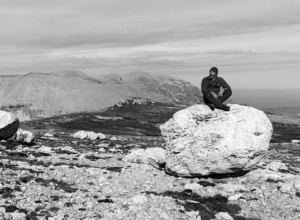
pixel 37 95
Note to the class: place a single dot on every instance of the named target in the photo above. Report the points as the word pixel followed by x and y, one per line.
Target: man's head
pixel 213 72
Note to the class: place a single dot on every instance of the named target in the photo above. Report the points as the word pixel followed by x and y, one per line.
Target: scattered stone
pixel 89 135
pixel 268 175
pixel 114 138
pixel 138 200
pixel 297 184
pixel 103 145
pixel 101 149
pixel 101 136
pixel 45 149
pixel 8 125
pixel 82 156
pixel 2 147
pixel 164 215
pixel 295 141
pixel 201 142
pixel 68 149
pixel 287 188
pixel 193 186
pixel 231 188
pixel 223 216
pixel 23 136
pixel 142 156
pixel 108 118
pixel 277 166
pixel 48 135
pixel 18 215
pixel 192 214
pixel 235 197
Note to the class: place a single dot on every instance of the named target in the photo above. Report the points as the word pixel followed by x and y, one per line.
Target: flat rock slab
pixel 202 142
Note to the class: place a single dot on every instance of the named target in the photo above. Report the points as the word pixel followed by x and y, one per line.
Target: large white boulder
pixel 8 125
pixel 201 142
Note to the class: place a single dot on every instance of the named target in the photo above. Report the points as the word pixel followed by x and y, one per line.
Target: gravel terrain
pixel 62 177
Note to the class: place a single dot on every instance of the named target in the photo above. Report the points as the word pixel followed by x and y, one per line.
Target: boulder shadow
pixel 238 173
pixel 227 175
pixel 207 206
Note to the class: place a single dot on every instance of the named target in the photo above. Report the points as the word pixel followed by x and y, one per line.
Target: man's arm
pixel 204 86
pixel 225 85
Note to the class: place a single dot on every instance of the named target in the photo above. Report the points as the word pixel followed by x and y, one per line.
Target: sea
pixel 285 100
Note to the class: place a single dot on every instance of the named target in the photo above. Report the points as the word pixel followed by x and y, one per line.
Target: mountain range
pixel 38 95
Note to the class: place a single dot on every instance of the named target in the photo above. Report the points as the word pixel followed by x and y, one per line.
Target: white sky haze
pixel 255 44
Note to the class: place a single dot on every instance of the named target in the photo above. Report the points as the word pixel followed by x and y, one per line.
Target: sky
pixel 254 43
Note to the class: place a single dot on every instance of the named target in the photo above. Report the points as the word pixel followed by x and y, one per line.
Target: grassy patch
pixel 46 182
pixel 105 201
pixel 12 208
pixel 58 184
pixel 114 169
pixel 206 183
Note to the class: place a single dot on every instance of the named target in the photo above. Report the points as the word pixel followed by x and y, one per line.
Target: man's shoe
pixel 226 108
pixel 211 106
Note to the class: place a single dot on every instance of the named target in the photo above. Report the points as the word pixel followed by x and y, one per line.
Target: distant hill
pixel 37 95
pixel 155 87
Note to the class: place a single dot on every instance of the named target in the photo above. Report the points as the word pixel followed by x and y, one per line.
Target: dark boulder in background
pixel 8 125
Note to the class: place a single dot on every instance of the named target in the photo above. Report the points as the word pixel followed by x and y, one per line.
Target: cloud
pixel 182 38
pixel 66 24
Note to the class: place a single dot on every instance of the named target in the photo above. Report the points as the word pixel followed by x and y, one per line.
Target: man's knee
pixel 228 93
pixel 205 100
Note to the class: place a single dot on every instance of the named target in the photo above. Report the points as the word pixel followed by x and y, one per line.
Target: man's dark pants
pixel 208 98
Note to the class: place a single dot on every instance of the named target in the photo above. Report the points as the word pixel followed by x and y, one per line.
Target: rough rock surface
pixel 201 142
pixel 8 125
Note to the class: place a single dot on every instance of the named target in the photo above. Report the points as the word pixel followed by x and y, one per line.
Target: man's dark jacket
pixel 209 85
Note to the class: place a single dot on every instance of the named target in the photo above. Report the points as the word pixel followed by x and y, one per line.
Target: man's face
pixel 212 74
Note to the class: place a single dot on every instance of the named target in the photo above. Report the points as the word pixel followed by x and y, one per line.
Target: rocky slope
pixel 38 95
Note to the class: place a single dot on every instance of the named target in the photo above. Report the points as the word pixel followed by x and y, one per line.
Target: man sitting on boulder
pixel 215 90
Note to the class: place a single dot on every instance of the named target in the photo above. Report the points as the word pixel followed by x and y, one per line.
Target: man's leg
pixel 225 96
pixel 210 104
pixel 216 102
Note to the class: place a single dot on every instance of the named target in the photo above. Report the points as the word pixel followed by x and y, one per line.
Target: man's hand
pixel 220 94
pixel 214 95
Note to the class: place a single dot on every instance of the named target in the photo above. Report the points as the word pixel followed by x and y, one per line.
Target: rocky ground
pixel 63 177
